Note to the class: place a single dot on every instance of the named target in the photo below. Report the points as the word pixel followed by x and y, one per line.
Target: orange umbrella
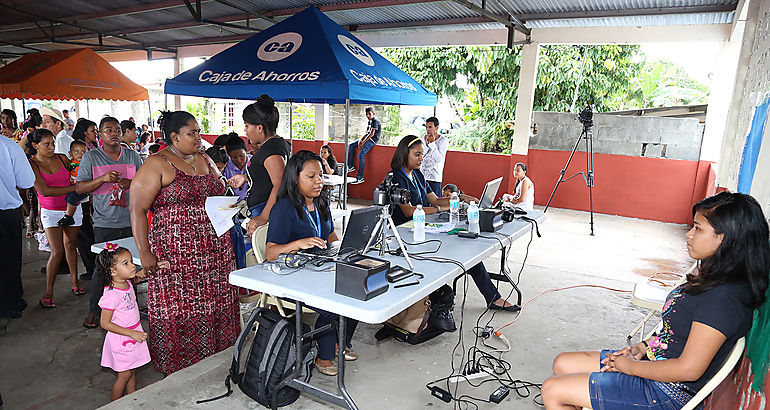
pixel 67 75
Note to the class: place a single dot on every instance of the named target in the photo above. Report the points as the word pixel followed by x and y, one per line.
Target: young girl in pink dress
pixel 125 347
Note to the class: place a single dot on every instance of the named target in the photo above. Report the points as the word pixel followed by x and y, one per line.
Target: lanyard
pixel 316 223
pixel 419 191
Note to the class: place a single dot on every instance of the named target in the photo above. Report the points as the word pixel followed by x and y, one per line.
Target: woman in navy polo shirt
pixel 300 219
pixel 405 167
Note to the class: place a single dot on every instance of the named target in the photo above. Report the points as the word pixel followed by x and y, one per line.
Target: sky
pixel 697 59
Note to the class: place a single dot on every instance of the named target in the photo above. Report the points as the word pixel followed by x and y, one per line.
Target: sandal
pixel 91 321
pixel 77 290
pixel 47 303
pixel 30 234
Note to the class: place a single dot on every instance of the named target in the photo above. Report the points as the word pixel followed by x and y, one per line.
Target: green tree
pixel 392 124
pixel 303 122
pixel 661 83
pixel 201 110
pixel 493 72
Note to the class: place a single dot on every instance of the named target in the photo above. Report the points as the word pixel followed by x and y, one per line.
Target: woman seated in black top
pixel 702 320
pixel 329 163
pixel 266 166
pixel 301 219
pixel 405 167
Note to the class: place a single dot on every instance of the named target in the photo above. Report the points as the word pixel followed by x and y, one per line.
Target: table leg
pixel 501 276
pixel 344 400
pixel 498 276
pixel 298 364
pixel 341 364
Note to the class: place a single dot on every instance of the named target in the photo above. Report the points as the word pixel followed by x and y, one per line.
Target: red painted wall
pixel 647 188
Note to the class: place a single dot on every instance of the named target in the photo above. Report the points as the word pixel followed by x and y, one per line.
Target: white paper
pixel 220 211
pixel 432 227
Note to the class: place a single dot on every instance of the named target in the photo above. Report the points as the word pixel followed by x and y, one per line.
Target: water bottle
pixel 454 208
pixel 419 224
pixel 473 218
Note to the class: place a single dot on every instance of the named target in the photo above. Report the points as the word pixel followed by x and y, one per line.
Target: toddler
pixel 125 348
pixel 77 149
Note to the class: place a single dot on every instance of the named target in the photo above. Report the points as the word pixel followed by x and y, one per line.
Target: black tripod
pixel 586 118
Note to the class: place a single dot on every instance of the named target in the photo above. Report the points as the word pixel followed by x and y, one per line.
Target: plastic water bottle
pixel 454 208
pixel 419 224
pixel 473 218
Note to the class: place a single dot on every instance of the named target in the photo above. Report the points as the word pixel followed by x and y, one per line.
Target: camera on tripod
pixel 389 192
pixel 586 117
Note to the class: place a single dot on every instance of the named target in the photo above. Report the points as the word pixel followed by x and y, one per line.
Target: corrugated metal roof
pixel 166 24
pixel 665 20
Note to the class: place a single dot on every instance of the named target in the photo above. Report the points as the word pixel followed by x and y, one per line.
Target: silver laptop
pixel 490 192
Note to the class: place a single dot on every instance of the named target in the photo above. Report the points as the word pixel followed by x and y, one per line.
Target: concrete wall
pixel 647 188
pixel 752 82
pixel 653 137
pixel 358 121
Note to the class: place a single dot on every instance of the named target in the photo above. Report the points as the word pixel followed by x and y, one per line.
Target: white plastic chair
pixel 732 358
pixel 256 256
pixel 650 296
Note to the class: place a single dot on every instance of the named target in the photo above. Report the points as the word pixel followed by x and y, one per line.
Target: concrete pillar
pixel 177 70
pixel 720 101
pixel 727 173
pixel 321 122
pixel 525 98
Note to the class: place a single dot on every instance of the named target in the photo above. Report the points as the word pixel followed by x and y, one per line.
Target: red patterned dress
pixel 193 310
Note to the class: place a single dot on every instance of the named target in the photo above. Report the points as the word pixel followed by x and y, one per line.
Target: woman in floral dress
pixel 192 308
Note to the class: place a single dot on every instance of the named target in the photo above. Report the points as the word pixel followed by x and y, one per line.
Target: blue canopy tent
pixel 306 58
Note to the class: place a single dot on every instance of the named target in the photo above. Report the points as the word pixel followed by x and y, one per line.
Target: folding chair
pixel 256 256
pixel 652 296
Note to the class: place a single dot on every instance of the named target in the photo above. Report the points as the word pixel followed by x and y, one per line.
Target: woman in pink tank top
pixel 52 183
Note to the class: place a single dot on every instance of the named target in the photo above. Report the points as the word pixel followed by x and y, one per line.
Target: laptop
pixel 490 192
pixel 360 226
pixel 487 201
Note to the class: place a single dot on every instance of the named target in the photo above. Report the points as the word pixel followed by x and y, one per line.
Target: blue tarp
pixel 306 58
pixel 751 149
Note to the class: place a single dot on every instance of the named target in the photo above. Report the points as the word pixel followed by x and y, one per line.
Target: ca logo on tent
pixel 280 46
pixel 355 49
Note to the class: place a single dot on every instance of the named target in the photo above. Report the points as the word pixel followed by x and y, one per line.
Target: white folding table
pixel 316 288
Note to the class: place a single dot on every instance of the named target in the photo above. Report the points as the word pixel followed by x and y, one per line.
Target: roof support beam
pixel 345 6
pixel 717 8
pixel 198 16
pixel 419 23
pixel 243 9
pixel 37 50
pixel 508 21
pixel 52 20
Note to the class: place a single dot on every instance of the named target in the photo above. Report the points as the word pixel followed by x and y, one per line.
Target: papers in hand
pixel 221 210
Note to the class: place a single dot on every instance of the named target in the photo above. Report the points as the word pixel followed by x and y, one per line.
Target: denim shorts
pixel 613 390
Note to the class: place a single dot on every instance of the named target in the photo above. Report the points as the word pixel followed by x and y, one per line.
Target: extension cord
pixel 479 374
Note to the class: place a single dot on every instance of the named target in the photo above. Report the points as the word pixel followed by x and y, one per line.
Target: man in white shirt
pixel 434 156
pixel 17 174
pixel 53 121
pixel 69 121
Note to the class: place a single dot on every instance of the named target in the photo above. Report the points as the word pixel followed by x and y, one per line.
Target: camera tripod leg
pixel 380 230
pixel 564 171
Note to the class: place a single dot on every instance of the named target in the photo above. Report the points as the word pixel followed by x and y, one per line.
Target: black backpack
pixel 271 358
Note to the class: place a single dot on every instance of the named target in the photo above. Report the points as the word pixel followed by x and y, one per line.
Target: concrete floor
pixel 49 361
